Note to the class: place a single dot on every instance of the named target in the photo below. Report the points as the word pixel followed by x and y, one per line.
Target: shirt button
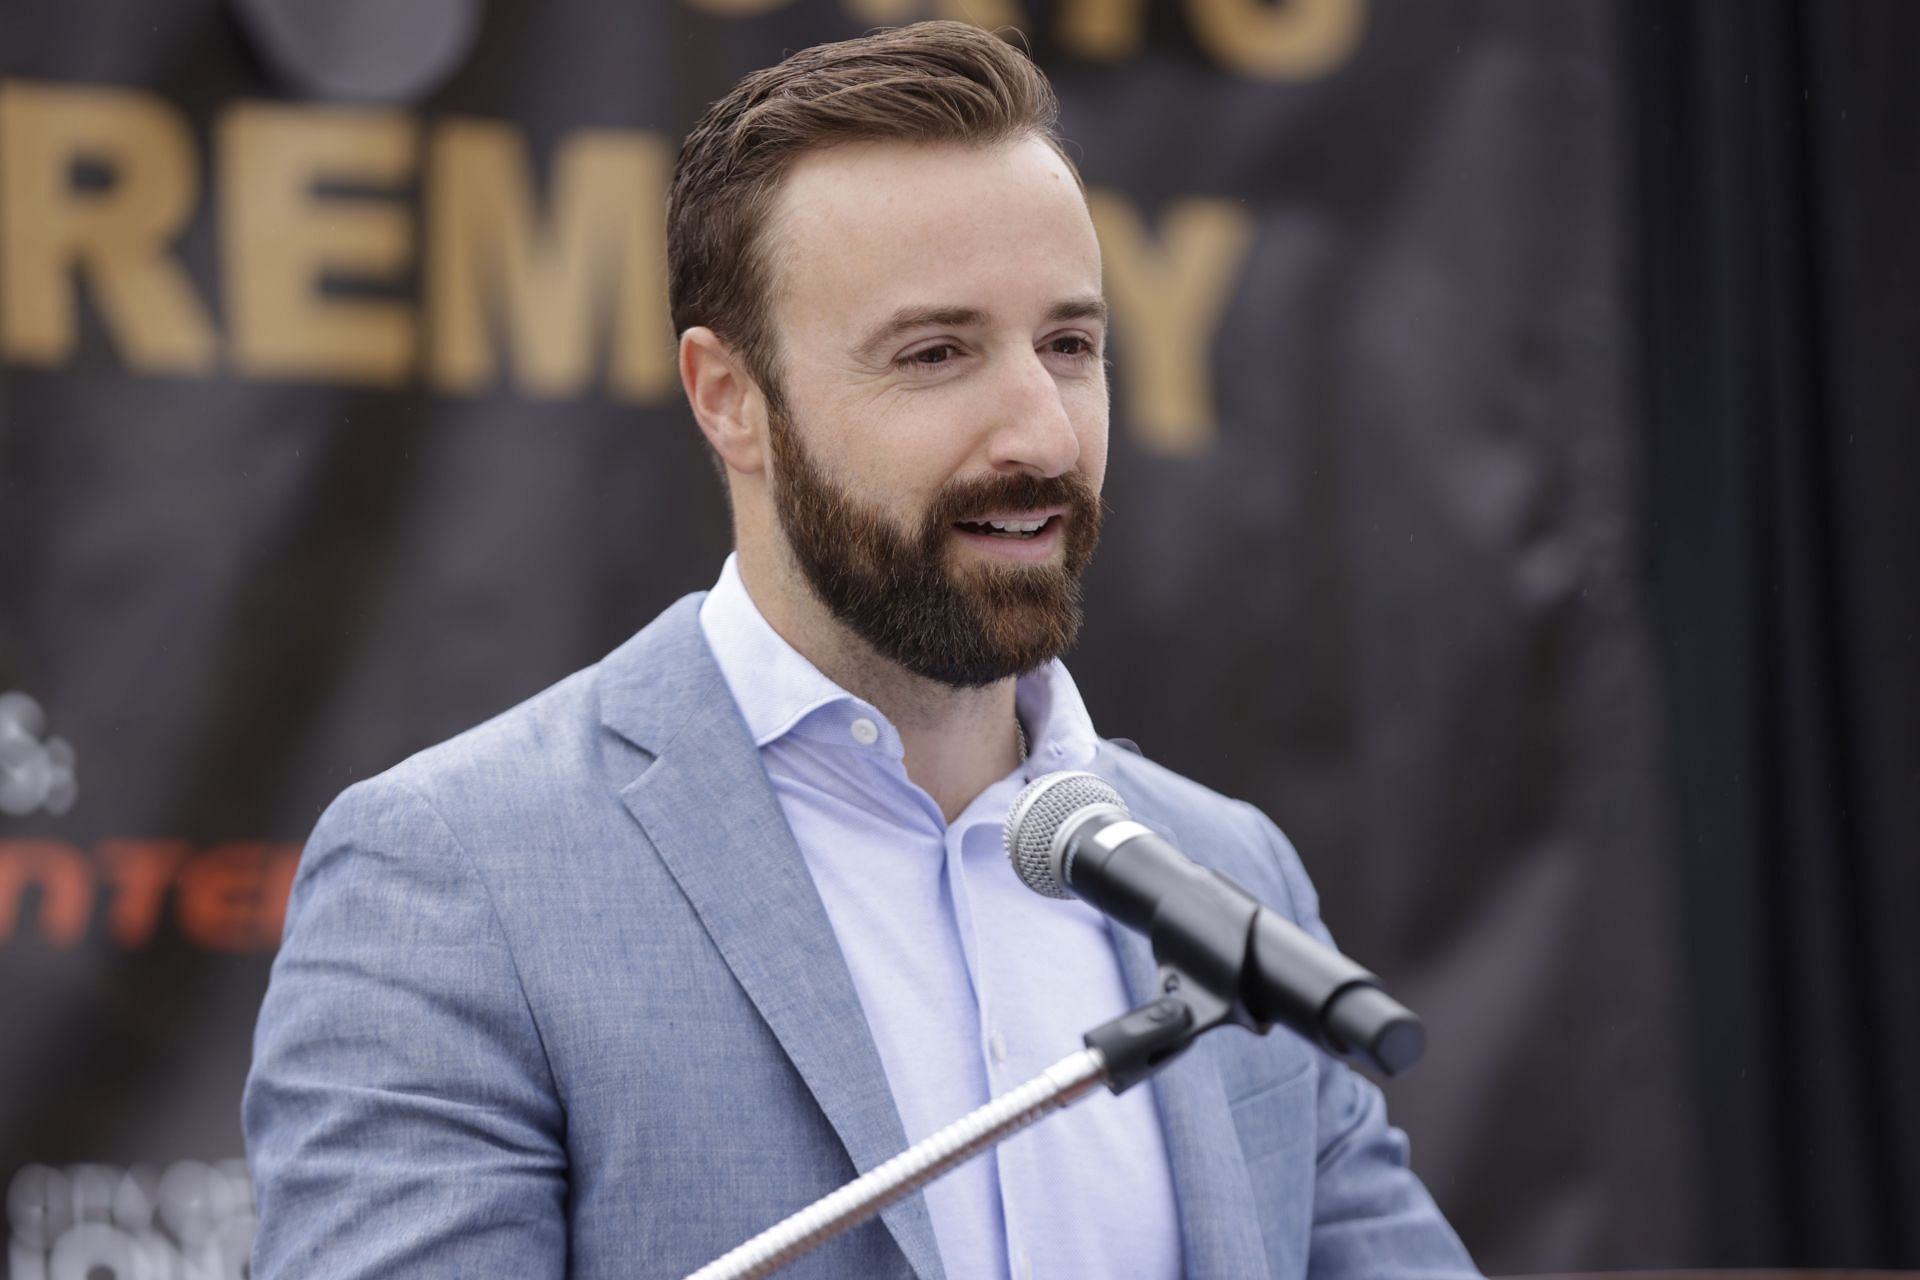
pixel 999 1045
pixel 864 731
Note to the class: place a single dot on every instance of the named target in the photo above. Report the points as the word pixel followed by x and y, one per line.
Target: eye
pixel 930 357
pixel 1071 344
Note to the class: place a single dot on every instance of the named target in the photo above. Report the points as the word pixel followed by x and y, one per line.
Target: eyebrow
pixel 1094 308
pixel 907 319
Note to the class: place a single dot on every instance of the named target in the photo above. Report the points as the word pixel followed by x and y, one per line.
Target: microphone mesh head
pixel 1036 817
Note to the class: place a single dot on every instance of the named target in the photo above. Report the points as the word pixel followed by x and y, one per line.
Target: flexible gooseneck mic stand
pixel 1119 1055
pixel 1062 1084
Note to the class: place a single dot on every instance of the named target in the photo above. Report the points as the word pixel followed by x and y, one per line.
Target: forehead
pixel 866 229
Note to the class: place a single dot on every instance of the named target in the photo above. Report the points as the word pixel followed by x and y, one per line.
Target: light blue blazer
pixel 558 998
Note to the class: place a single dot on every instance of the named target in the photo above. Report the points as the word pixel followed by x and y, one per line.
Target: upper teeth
pixel 1016 526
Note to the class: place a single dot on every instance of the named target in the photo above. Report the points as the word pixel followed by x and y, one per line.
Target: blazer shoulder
pixel 552 734
pixel 1218 830
pixel 568 749
pixel 547 736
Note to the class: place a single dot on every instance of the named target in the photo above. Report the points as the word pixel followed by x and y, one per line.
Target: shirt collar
pixel 780 693
pixel 775 686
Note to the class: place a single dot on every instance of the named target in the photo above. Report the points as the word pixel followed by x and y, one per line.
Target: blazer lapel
pixel 1220 1229
pixel 705 806
pixel 1219 1224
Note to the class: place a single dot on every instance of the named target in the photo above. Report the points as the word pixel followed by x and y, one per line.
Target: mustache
pixel 984 495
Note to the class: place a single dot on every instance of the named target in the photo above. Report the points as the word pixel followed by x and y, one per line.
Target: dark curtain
pixel 1777 153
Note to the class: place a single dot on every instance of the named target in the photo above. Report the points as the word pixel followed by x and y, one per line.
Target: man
pixel 608 985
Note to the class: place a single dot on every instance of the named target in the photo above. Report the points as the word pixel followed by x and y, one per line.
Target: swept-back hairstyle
pixel 934 82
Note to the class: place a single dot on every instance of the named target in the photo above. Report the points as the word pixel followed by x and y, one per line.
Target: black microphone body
pixel 1202 925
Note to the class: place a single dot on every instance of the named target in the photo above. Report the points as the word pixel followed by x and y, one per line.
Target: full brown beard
pixel 964 625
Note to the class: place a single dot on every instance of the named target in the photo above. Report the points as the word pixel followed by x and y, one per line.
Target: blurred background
pixel 1514 425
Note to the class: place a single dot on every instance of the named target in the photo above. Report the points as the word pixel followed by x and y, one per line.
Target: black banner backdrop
pixel 337 412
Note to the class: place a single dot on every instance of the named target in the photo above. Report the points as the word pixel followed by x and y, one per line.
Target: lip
pixel 1043 545
pixel 1038 513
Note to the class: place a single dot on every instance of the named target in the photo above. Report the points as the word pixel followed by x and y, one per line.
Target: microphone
pixel 1071 835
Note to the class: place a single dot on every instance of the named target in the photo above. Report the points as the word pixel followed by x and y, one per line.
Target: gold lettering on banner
pixel 991 14
pixel 1104 30
pixel 316 224
pixel 601 251
pixel 1291 40
pixel 283 238
pixel 1168 300
pixel 54 233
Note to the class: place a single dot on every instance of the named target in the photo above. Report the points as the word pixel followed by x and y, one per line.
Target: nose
pixel 1035 431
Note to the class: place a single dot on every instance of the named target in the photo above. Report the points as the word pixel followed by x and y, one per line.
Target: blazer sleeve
pixel 1373 1219
pixel 400 1115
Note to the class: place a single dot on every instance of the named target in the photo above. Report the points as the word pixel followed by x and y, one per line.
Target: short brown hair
pixel 934 82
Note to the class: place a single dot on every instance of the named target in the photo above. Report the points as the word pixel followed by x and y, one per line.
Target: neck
pixel 958 742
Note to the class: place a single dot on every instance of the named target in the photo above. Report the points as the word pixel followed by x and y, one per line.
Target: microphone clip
pixel 1135 1045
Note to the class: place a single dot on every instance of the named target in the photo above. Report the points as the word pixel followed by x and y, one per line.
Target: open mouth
pixel 1017 530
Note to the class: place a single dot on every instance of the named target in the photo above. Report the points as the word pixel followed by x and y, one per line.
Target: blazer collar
pixel 705 805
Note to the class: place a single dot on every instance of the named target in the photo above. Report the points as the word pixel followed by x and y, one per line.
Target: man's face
pixel 939 439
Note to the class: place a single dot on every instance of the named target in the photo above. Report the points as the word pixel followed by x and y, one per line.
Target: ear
pixel 726 401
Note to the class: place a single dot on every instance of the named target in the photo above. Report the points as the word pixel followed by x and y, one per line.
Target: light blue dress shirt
pixel 971 982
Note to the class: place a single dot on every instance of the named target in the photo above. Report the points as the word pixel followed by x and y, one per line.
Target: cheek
pixel 900 472
pixel 910 453
pixel 840 437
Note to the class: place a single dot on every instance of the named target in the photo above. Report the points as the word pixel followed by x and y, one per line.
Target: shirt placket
pixel 993 1043
pixel 977 843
